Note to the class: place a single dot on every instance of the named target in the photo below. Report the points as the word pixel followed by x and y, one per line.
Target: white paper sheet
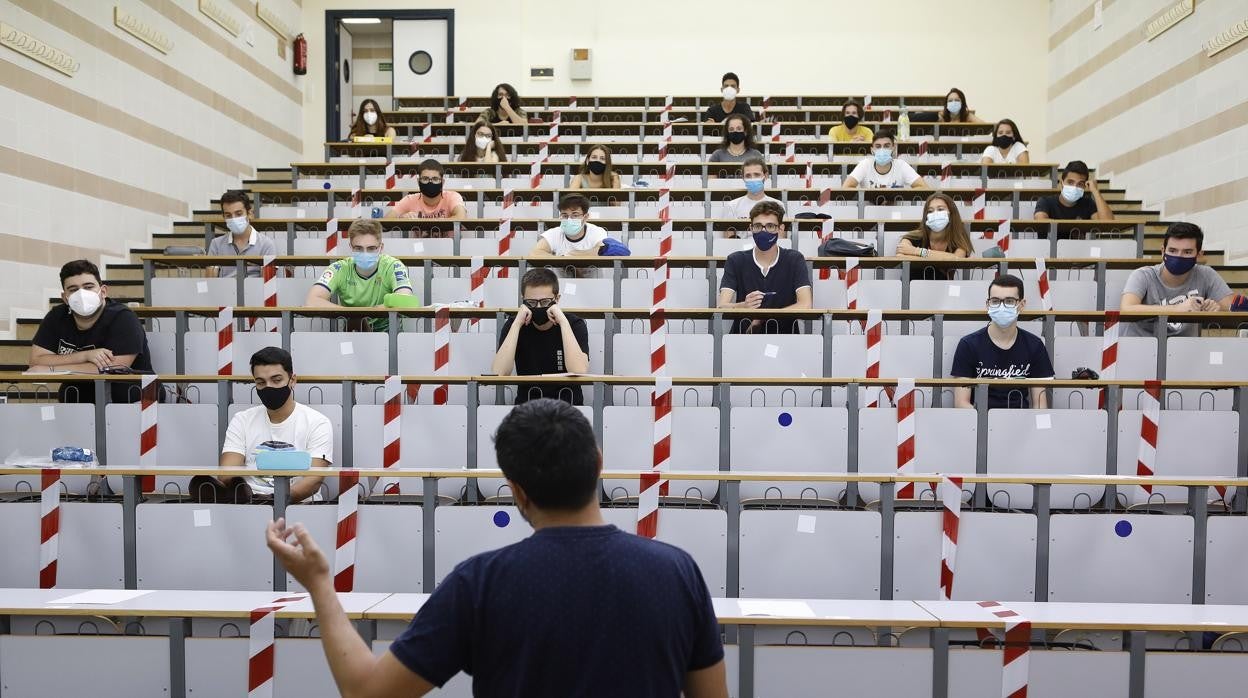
pixel 766 607
pixel 101 597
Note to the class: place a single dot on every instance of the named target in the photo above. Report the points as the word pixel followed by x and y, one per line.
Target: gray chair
pixel 829 555
pixel 181 547
pixel 1120 558
pixel 773 356
pixel 1046 442
pixel 944 443
pixel 388 544
pixel 89 551
pixel 628 444
pixel 996 556
pixel 805 439
pixel 464 531
pixel 187 438
pixel 31 431
pixel 431 436
pixel 688 356
pixel 703 533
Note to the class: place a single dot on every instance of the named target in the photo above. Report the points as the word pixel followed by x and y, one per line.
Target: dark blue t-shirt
pixel 569 611
pixel 978 357
pixel 782 281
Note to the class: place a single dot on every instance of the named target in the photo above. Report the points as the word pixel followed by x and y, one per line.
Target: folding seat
pixel 1114 558
pixel 812 553
pixel 996 556
pixel 89 548
pixel 688 356
pixel 944 441
pixel 901 356
pixel 430 437
pixel 773 356
pixel 1110 248
pixel 203 546
pixel 183 291
pixel 31 431
pixel 1046 442
pixel 187 437
pixel 488 419
pixel 472 354
pixel 338 354
pixel 1204 359
pixel 628 444
pixel 791 439
pixel 388 544
pixel 464 531
pixel 703 533
pixel 1215 454
pixel 1137 360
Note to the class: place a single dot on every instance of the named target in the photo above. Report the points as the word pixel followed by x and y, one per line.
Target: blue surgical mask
pixel 954 106
pixel 238 224
pixel 937 220
pixel 1071 193
pixel 1003 316
pixel 365 261
pixel 765 241
pixel 883 156
pixel 1178 265
pixel 570 226
pixel 754 186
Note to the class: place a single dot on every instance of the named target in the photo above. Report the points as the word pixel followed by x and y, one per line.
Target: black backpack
pixel 840 247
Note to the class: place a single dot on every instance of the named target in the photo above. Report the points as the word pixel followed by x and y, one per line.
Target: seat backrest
pixel 1215 456
pixel 1137 360
pixel 1120 558
pixel 31 431
pixel 804 439
pixel 203 546
pixel 681 293
pixel 815 554
pixel 388 553
pixel 466 531
pixel 773 356
pixel 1104 247
pixel 587 293
pixel 430 436
pixel 944 440
pixel 338 354
pixel 948 295
pixel 993 561
pixel 186 437
pixel 499 293
pixel 1204 359
pixel 488 419
pixel 628 444
pixel 688 355
pixel 703 533
pixel 193 291
pixel 1046 442
pixel 89 547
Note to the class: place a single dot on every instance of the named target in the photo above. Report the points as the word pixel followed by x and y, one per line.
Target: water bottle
pixel 903 126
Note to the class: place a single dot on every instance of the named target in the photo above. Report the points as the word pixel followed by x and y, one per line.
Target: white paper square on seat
pixel 955 291
pixel 771 351
pixel 806 523
pixel 346 348
pixel 569 289
pixel 1215 359
pixel 1044 421
pixel 202 517
pixel 48 413
pixel 201 287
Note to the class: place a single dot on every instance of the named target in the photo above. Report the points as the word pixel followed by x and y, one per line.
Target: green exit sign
pixel 385 67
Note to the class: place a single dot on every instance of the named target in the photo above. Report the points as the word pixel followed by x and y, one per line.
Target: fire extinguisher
pixel 301 55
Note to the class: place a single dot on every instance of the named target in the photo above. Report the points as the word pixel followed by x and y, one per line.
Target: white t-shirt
pixel 739 208
pixel 899 175
pixel 305 429
pixel 560 245
pixel 1011 156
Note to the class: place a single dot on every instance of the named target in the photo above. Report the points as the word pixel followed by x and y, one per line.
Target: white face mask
pixel 84 302
pixel 238 224
pixel 730 92
pixel 484 143
pixel 370 117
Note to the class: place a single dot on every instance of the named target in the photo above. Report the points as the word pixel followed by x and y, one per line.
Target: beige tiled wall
pixel 1159 117
pixel 94 164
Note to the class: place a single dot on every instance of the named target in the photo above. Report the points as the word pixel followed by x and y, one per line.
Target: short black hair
pixel 1184 231
pixel 547 447
pixel 884 133
pixel 539 276
pixel 1075 166
pixel 568 201
pixel 431 164
pixel 1007 281
pixel 236 196
pixel 77 267
pixel 273 356
pixel 730 76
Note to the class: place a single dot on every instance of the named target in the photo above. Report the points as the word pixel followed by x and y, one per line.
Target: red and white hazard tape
pixel 441 351
pixel 331 236
pixel 225 341
pixel 1109 353
pixel 348 522
pixel 775 132
pixel 979 204
pixel 357 202
pixel 390 174
pixel 949 490
pixel 1014 663
pixel 505 233
pixel 1150 420
pixel 1000 236
pixel 652 485
pixel 790 152
pixel 904 400
pixel 535 169
pixel 391 428
pixel 1042 280
pixel 874 334
pixel 553 137
pixel 49 526
pixel 851 283
pixel 148 437
pixel 946 173
pixel 810 175
pixel 261 650
pixel 476 284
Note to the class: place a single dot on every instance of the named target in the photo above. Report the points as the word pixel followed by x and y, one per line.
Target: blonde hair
pixel 364 226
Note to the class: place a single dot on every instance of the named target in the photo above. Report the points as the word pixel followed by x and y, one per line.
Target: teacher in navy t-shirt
pixel 579 608
pixel 1003 350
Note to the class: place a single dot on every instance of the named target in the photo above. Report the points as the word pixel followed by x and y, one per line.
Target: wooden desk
pixel 1096 616
pixel 175 604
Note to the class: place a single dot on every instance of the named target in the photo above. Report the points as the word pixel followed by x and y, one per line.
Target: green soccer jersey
pixel 355 291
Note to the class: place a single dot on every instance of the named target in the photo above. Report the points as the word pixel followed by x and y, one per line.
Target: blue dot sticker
pixel 501 519
pixel 327 185
pixel 1123 529
pixel 785 419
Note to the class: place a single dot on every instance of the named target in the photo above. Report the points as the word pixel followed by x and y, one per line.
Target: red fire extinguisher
pixel 301 55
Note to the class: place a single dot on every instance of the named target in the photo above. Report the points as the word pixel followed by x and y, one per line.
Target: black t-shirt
pixel 978 357
pixel 541 351
pixel 789 273
pixel 117 329
pixel 1083 209
pixel 568 611
pixel 717 113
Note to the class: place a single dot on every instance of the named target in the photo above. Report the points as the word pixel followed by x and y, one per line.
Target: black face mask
pixel 851 122
pixel 431 190
pixel 1003 142
pixel 597 167
pixel 736 137
pixel 540 316
pixel 274 398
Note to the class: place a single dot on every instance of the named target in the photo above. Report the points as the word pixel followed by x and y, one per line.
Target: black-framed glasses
pixel 761 227
pixel 430 180
pixel 539 302
pixel 1007 302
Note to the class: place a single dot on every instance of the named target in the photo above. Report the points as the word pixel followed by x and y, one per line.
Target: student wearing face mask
pixel 1080 199
pixel 754 173
pixel 279 418
pixel 483 145
pixel 1002 350
pixel 370 122
pixel 504 107
pixel 1007 146
pixel 941 235
pixel 738 144
pixel 597 171
pixel 364 279
pixel 1178 285
pixel 542 339
pixel 957 110
pixel 575 236
pixel 883 170
pixel 89 334
pixel 730 87
pixel 768 276
pixel 850 130
pixel 433 201
pixel 242 239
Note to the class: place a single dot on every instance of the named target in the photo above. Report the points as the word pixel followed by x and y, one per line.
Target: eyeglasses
pixel 759 227
pixel 998 302
pixel 430 180
pixel 564 215
pixel 539 302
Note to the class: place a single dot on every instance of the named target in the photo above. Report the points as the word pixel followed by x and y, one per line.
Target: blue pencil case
pixel 280 456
